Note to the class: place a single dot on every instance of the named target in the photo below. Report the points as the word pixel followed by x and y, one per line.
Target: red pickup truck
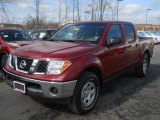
pixel 72 66
pixel 9 40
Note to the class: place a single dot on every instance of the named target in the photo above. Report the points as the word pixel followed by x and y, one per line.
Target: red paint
pixel 109 60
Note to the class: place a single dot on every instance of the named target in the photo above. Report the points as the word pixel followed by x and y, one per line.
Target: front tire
pixel 3 60
pixel 142 69
pixel 86 94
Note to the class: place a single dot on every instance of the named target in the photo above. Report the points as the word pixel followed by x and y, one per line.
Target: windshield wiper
pixel 69 41
pixel 75 41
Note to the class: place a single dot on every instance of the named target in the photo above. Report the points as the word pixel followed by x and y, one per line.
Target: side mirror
pixel 114 40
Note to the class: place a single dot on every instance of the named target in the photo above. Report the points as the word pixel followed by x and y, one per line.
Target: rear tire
pixel 86 94
pixel 142 69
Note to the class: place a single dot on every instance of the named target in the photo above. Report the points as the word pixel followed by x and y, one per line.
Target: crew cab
pixel 73 64
pixel 9 40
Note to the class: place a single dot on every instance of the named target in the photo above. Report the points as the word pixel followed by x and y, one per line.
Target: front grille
pixel 28 63
pixel 30 66
pixel 42 68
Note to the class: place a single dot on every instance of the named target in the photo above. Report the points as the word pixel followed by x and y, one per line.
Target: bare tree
pixel 73 10
pixel 3 10
pixel 78 10
pixel 102 7
pixel 111 10
pixel 93 9
pixel 99 8
pixel 37 10
pixel 66 11
pixel 60 11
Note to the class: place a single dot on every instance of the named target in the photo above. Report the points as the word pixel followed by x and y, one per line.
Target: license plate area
pixel 19 86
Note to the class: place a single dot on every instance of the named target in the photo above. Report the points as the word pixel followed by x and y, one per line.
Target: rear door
pixel 132 43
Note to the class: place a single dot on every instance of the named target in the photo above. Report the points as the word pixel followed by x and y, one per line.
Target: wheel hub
pixel 88 93
pixel 145 66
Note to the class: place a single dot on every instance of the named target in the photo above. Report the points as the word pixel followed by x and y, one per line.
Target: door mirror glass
pixel 114 40
pixel 114 35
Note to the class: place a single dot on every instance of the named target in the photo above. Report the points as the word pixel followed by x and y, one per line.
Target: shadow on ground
pixel 115 93
pixel 1 77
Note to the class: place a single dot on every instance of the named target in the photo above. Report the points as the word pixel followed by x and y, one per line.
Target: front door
pixel 114 54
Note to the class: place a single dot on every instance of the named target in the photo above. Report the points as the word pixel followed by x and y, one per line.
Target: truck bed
pixel 149 42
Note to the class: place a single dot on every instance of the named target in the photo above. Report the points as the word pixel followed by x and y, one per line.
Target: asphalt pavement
pixel 124 98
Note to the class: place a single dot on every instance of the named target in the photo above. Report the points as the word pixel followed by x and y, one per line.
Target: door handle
pixel 128 46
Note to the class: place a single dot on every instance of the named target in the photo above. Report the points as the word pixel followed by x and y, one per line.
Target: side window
pixel 16 35
pixel 129 33
pixel 35 35
pixel 42 34
pixel 25 36
pixel 114 32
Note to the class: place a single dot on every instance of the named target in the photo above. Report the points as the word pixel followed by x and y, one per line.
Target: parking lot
pixel 125 98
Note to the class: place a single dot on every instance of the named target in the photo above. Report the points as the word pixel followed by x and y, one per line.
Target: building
pixel 148 27
pixel 10 25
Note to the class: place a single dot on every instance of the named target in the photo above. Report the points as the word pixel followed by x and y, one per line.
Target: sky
pixel 129 10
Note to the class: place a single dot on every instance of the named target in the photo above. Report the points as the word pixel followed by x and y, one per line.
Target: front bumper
pixel 43 88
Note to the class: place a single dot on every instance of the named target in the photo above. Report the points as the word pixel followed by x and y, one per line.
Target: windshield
pixel 150 34
pixel 15 36
pixel 89 33
pixel 141 33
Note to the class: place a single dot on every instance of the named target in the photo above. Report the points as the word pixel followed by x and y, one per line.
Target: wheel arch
pixel 3 53
pixel 98 73
pixel 147 53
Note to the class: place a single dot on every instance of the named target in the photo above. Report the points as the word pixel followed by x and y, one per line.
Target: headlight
pixel 9 60
pixel 14 44
pixel 57 67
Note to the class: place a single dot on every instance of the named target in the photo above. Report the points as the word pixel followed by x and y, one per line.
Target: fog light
pixel 53 90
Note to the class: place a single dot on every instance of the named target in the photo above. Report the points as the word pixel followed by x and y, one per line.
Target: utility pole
pixel 147 10
pixel 118 8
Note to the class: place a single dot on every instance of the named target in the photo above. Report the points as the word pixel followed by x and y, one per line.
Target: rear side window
pixel 25 36
pixel 114 31
pixel 129 33
pixel 35 35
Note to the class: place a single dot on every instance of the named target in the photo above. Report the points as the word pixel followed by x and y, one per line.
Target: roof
pixel 102 22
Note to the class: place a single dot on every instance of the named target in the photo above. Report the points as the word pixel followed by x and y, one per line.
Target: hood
pixel 22 43
pixel 47 49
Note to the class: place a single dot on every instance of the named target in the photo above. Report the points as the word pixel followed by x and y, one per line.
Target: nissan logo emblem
pixel 23 64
